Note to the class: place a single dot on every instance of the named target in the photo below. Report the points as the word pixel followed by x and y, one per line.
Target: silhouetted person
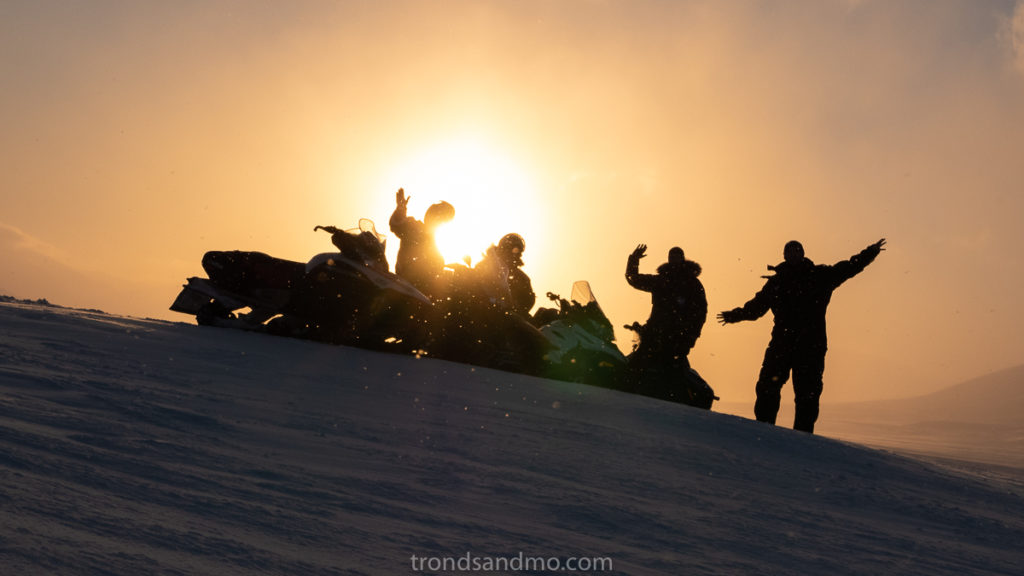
pixel 798 295
pixel 679 307
pixel 501 272
pixel 364 246
pixel 419 261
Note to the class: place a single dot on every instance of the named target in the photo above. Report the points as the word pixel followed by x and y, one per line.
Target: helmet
pixel 439 213
pixel 512 244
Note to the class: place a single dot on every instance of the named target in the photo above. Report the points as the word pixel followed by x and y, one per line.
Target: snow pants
pixel 806 360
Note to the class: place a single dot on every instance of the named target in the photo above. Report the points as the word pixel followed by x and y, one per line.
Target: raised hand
pixel 728 317
pixel 401 199
pixel 639 252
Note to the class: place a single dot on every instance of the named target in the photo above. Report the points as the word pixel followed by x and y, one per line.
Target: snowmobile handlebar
pixel 563 304
pixel 635 327
pixel 328 229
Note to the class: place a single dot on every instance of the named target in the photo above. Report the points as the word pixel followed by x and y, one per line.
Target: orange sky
pixel 137 135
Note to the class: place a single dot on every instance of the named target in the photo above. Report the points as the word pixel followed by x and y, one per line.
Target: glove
pixel 730 316
pixel 639 252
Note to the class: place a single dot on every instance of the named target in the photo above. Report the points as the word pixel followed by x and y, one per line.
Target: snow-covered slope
pixel 134 446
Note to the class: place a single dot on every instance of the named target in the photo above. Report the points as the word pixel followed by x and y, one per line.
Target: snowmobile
pixel 583 350
pixel 350 297
pixel 345 297
pixel 582 340
pixel 657 373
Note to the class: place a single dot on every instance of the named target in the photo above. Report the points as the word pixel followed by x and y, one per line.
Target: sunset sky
pixel 137 135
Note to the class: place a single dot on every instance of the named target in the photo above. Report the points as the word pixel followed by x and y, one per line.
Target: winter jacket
pixel 798 295
pixel 679 306
pixel 510 287
pixel 419 259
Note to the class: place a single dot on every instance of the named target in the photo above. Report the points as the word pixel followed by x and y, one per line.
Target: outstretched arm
pixel 757 306
pixel 398 217
pixel 633 275
pixel 729 316
pixel 855 265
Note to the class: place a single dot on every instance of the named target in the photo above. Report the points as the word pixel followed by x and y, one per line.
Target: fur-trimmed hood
pixel 686 267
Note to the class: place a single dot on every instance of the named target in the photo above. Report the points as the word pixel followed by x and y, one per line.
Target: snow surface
pixel 132 446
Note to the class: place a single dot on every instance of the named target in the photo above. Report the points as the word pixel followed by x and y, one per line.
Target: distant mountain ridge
pixel 979 420
pixel 995 398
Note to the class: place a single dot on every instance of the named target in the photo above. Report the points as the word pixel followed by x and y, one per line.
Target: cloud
pixel 13 239
pixel 33 268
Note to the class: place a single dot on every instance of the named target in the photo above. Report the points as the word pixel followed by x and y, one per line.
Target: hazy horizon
pixel 139 135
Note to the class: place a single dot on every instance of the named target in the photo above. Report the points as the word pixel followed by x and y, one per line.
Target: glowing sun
pixel 491 194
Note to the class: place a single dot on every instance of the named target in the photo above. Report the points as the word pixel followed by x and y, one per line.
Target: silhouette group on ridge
pixel 481 314
pixel 797 294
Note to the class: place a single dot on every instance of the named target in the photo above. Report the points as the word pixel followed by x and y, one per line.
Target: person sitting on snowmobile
pixel 484 318
pixel 679 307
pixel 363 246
pixel 419 260
pixel 500 272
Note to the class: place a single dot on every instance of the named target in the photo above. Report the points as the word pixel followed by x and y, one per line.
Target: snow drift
pixel 133 446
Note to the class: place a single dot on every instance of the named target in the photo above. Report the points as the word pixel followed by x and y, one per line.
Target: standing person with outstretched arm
pixel 798 295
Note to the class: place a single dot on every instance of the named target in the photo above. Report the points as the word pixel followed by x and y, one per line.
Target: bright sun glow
pixel 491 194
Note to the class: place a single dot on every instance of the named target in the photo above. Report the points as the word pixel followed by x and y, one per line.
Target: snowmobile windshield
pixel 366 225
pixel 582 293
